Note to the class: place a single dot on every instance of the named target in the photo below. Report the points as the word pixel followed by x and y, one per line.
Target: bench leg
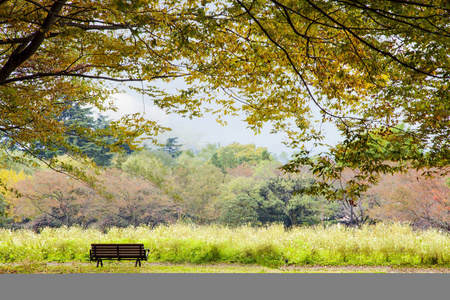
pixel 137 261
pixel 99 261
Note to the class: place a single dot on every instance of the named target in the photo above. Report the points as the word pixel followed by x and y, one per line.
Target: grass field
pixel 187 248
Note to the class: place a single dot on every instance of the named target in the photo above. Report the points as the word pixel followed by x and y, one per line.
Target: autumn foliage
pixel 411 198
pixel 362 67
pixel 153 187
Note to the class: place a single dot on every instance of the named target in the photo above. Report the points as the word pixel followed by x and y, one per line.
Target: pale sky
pixel 198 132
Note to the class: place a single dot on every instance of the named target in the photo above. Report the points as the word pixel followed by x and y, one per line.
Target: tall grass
pixel 382 244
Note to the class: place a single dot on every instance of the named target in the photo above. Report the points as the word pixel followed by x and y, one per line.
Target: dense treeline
pixel 232 185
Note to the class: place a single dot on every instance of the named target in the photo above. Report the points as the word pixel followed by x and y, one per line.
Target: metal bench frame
pixel 100 252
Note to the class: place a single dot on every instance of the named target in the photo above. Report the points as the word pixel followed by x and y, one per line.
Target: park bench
pixel 100 252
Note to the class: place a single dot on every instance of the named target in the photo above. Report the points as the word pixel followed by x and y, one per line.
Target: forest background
pixel 231 185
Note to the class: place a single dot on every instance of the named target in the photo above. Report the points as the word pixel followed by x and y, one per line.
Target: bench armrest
pixel 147 251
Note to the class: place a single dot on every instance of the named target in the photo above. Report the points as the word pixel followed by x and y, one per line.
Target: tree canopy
pixel 365 66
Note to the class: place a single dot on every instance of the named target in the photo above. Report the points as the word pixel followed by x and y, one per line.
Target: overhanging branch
pixel 17 59
pixel 66 74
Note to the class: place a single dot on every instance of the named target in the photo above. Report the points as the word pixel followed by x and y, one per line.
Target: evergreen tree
pixel 172 147
pixel 78 121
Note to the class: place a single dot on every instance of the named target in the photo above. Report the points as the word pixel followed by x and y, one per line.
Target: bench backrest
pixel 118 250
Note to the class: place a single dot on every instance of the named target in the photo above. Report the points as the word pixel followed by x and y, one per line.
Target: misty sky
pixel 199 132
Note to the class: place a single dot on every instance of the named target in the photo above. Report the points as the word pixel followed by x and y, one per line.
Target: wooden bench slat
pixel 115 245
pixel 112 247
pixel 118 251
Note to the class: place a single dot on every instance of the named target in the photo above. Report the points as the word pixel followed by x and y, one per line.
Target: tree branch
pixel 296 70
pixel 387 15
pixel 99 27
pixel 23 40
pixel 16 59
pixel 371 46
pixel 67 74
